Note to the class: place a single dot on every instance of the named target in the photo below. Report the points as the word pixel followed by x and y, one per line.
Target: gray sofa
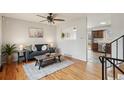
pixel 31 54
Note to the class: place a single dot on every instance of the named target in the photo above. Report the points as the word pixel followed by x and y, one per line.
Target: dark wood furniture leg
pixel 25 56
pixel 40 64
pixel 18 57
pixel 21 56
pixel 36 63
pixel 59 58
pixel 1 68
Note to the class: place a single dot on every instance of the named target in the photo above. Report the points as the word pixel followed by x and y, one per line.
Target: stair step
pixel 110 78
pixel 120 77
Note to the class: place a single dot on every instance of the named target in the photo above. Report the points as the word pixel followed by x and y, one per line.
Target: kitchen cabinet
pixel 95 47
pixel 98 34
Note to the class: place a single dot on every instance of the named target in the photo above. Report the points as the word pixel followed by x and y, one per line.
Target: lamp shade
pixel 51 44
pixel 21 47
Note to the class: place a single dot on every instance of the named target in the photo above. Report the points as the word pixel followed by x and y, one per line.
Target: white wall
pixel 75 48
pixel 16 31
pixel 117 25
pixel 0 37
pixel 117 31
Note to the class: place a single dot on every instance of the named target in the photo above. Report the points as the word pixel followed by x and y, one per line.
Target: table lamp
pixel 21 47
pixel 51 44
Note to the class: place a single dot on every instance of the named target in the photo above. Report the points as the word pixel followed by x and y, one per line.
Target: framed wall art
pixel 36 32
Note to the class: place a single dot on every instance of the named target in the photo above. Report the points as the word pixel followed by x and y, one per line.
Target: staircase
pixel 113 66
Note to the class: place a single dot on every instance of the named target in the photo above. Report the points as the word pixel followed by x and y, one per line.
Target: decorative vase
pixel 9 59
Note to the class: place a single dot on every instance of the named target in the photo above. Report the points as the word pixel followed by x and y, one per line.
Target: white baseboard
pixel 76 58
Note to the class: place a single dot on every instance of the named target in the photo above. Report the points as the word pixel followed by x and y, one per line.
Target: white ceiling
pixel 93 19
pixel 32 16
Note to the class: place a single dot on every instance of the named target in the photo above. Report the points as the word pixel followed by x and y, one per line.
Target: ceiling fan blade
pixel 43 20
pixel 54 15
pixel 59 20
pixel 41 16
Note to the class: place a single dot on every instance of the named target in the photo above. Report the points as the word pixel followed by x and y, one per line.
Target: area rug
pixel 34 73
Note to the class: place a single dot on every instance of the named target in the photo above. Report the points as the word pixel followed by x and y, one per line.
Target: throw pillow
pixel 44 48
pixel 34 48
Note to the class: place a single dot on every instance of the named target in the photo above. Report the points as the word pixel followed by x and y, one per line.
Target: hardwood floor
pixel 78 71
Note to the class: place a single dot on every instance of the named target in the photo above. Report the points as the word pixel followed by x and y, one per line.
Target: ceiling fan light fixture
pixel 50 18
pixel 74 29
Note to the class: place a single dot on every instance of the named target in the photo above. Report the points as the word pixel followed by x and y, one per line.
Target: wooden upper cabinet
pixel 98 33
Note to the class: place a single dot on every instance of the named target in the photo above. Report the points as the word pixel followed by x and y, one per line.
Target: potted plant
pixel 8 50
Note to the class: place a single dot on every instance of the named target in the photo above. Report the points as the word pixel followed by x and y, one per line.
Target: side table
pixel 21 54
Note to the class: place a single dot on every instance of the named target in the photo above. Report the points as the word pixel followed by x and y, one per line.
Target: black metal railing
pixel 113 62
pixel 116 41
pixel 104 60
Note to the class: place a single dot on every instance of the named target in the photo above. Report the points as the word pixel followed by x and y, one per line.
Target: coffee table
pixel 57 56
pixel 44 60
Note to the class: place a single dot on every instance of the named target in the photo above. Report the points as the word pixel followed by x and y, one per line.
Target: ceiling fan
pixel 51 18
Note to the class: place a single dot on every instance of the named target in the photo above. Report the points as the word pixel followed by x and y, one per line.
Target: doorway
pixel 98 32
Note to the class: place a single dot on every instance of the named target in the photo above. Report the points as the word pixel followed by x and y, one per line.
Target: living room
pixel 66 41
pixel 17 27
pixel 47 46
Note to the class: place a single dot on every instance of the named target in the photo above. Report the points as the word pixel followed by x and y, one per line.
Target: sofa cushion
pixel 39 46
pixel 36 53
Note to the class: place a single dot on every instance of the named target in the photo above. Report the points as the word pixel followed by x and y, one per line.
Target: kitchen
pixel 98 36
pixel 98 39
